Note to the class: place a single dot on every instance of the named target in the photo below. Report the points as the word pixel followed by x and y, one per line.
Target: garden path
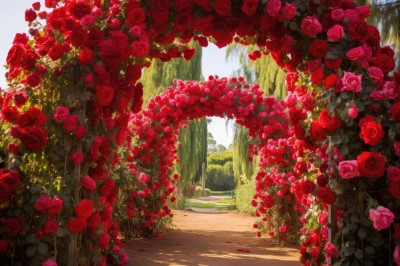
pixel 210 239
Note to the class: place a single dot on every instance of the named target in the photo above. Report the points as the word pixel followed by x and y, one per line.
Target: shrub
pixel 244 196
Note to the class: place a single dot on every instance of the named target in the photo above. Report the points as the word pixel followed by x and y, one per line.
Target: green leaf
pixel 31 251
pixel 369 251
pixel 349 251
pixel 43 249
pixel 362 234
pixel 354 219
pixel 359 254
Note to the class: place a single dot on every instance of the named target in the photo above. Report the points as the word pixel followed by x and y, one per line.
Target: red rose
pixel 222 7
pixel 85 56
pixel 316 131
pixel 80 131
pixel 78 36
pixel 133 73
pixel 33 117
pixel 371 164
pixel 140 48
pixel 9 113
pixel 84 209
pixel 105 95
pixel 394 189
pixel 104 240
pixel 307 187
pixel 30 15
pixel 188 53
pixel 395 111
pixel 77 158
pixel 136 16
pixel 70 123
pixel 384 62
pixel 56 51
pixel 79 9
pixel 358 31
pixel 326 195
pixel 322 180
pixel 333 63
pixel 88 183
pixel 317 76
pixel 330 81
pixel 14 54
pixel 50 226
pixel 94 221
pixel 20 98
pixel 327 122
pixel 4 245
pixel 76 225
pixel 13 148
pixel 249 7
pixel 371 133
pixel 12 226
pixel 319 48
pixel 32 80
pixel 33 138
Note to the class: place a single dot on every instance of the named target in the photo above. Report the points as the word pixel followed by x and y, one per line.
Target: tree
pixel 193 139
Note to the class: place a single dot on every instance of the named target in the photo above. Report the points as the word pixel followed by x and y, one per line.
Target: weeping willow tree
pixel 271 79
pixel 386 16
pixel 193 151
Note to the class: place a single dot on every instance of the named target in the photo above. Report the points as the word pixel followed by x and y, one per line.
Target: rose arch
pixel 74 87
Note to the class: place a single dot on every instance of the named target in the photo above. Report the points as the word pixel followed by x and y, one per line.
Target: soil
pixel 208 239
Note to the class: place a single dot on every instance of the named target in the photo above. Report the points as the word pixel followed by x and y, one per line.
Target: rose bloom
pixel 104 95
pixel 77 157
pixel 289 11
pixel 76 225
pixel 49 263
pixel 351 82
pixel 348 169
pixel 316 131
pixel 249 7
pixel 311 26
pixel 352 112
pixel 396 147
pixel 381 218
pixel 371 164
pixel 84 209
pixel 33 138
pixel 393 173
pixel 70 123
pixel 89 183
pixel 355 54
pixel 371 133
pixel 326 195
pixel 328 122
pixel 50 226
pixel 335 33
pixel 337 14
pixel 61 113
pixel 396 255
pixel 395 111
pixel 330 250
pixel 273 7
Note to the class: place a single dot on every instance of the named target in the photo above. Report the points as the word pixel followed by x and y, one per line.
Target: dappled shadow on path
pixel 209 246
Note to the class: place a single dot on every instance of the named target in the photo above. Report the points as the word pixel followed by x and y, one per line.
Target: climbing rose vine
pixel 67 116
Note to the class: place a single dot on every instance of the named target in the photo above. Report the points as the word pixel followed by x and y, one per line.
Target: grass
pixel 223 203
pixel 222 193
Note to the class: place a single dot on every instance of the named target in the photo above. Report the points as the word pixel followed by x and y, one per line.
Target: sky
pixel 213 63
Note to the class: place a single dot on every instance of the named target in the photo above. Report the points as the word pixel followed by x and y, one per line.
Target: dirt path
pixel 210 239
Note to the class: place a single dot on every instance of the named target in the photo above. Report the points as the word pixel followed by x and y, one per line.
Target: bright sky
pixel 12 21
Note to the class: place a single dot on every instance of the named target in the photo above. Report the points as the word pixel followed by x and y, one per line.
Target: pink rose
pixel 348 169
pixel 71 123
pixel 355 54
pixel 375 73
pixel 381 218
pixel 61 113
pixel 49 263
pixel 396 147
pixel 351 82
pixel 89 183
pixel 273 7
pixel 289 11
pixel 389 91
pixel 363 11
pixel 337 14
pixel 335 33
pixel 330 250
pixel 393 174
pixel 311 26
pixel 352 112
pixel 396 255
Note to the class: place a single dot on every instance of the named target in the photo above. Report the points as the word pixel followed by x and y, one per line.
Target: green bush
pixel 220 158
pixel 198 192
pixel 220 178
pixel 244 196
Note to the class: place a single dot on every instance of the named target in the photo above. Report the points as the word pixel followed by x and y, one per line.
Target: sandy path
pixel 208 239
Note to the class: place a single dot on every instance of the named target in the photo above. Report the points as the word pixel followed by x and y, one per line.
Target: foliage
pixel 220 158
pixel 244 195
pixel 220 177
pixel 243 168
pixel 199 192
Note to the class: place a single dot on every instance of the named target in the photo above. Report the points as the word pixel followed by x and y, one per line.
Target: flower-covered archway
pixel 74 86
